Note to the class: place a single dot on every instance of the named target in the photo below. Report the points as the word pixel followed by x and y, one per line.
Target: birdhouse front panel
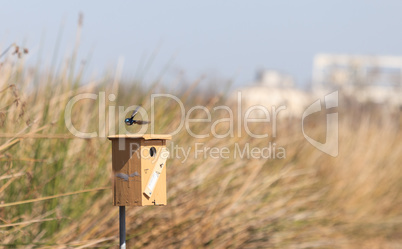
pixel 154 172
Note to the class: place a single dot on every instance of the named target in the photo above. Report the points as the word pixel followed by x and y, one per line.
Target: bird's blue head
pixel 129 121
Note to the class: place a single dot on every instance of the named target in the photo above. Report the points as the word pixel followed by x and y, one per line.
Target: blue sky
pixel 228 39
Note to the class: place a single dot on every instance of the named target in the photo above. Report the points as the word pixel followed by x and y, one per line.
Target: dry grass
pixel 308 200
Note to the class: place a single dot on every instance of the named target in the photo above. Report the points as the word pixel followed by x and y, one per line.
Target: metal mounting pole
pixel 122 226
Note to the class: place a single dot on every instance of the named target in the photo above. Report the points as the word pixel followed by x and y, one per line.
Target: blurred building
pixel 273 78
pixel 273 89
pixel 366 78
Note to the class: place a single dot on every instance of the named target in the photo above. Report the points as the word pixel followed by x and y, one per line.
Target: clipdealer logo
pixel 330 146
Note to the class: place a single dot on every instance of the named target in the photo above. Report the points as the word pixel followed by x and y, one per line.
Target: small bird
pixel 125 176
pixel 131 121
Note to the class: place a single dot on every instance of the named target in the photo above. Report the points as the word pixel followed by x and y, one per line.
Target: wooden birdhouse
pixel 139 169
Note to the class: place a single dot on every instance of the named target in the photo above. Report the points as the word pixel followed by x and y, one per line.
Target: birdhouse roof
pixel 144 136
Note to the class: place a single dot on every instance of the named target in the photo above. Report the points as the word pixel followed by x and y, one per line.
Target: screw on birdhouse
pixel 126 177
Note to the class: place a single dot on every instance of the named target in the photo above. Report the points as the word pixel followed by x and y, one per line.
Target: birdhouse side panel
pixel 126 161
